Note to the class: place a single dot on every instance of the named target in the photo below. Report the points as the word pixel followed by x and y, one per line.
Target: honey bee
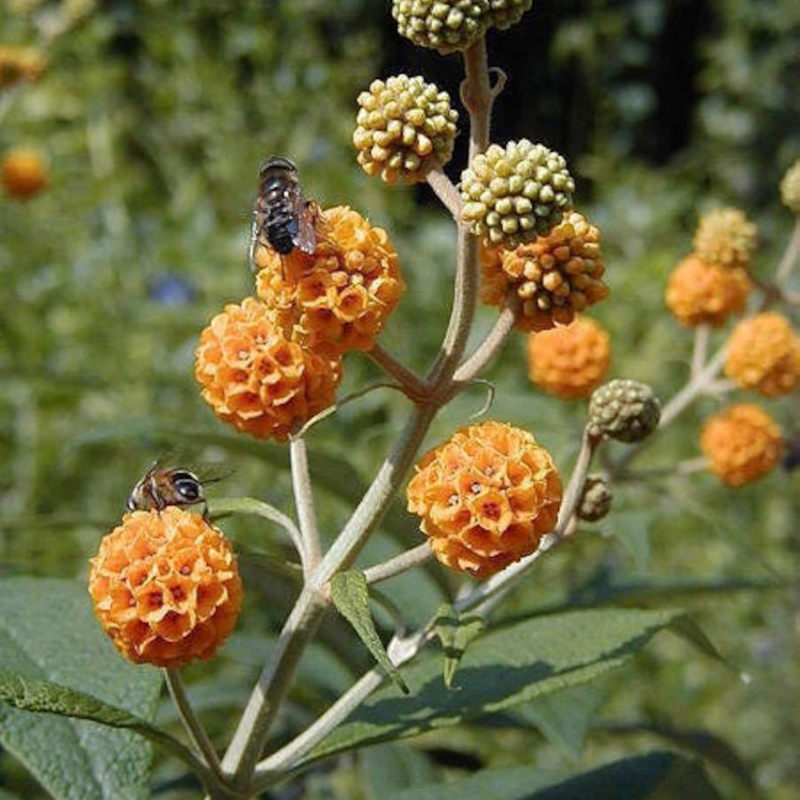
pixel 282 218
pixel 163 486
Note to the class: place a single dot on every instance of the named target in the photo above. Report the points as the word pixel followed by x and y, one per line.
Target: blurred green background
pixel 153 118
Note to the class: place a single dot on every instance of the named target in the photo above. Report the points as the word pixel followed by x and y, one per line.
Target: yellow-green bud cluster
pixel 596 499
pixel 725 238
pixel 505 13
pixel 405 127
pixel 515 193
pixel 444 25
pixel 625 410
pixel 790 188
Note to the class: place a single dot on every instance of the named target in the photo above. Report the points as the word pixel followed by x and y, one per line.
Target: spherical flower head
pixel 166 587
pixel 764 355
pixel 405 126
pixel 340 297
pixel 486 497
pixel 515 193
pixel 444 25
pixel 571 361
pixel 706 294
pixel 20 64
pixel 257 380
pixel 790 188
pixel 625 410
pixel 505 13
pixel 595 502
pixel 554 277
pixel 742 443
pixel 726 238
pixel 23 174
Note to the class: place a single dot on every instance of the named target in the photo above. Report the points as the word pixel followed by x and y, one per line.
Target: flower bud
pixel 625 410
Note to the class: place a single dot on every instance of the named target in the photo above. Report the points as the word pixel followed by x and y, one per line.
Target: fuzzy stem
pixel 399 564
pixel 702 334
pixel 413 385
pixel 790 257
pixel 490 346
pixel 191 723
pixel 304 500
pixel 477 96
pixel 445 190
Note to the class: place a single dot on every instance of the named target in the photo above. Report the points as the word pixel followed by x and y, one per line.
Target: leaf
pixel 564 717
pixel 37 696
pixel 48 633
pixel 504 668
pixel 391 767
pixel 632 530
pixel 350 595
pixel 455 632
pixel 656 776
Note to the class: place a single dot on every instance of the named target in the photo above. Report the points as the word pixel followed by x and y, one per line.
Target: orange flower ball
pixel 166 587
pixel 255 378
pixel 569 362
pixel 486 497
pixel 554 277
pixel 764 355
pixel 23 174
pixel 705 294
pixel 742 443
pixel 340 298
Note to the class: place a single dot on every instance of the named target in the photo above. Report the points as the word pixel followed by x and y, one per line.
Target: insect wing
pixel 257 233
pixel 304 235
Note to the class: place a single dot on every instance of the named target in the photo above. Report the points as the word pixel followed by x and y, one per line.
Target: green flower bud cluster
pixel 515 193
pixel 625 410
pixel 726 238
pixel 790 188
pixel 444 25
pixel 596 499
pixel 452 25
pixel 405 126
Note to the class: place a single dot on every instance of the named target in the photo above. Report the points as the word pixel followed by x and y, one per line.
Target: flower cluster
pixel 339 298
pixel 569 362
pixel 706 294
pixel 405 126
pixel 742 443
pixel 554 277
pixel 258 380
pixel 515 193
pixel 725 238
pixel 485 497
pixel 166 587
pixel 790 188
pixel 452 25
pixel 23 174
pixel 625 410
pixel 764 355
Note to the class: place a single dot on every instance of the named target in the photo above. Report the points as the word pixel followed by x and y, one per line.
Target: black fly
pixel 282 219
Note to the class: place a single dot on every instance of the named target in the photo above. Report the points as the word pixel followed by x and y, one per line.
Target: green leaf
pixel 455 632
pixel 655 776
pixel 632 530
pixel 504 668
pixel 564 717
pixel 350 595
pixel 48 634
pixel 37 696
pixel 392 767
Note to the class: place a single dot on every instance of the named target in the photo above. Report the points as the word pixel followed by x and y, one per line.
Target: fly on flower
pixel 282 218
pixel 163 486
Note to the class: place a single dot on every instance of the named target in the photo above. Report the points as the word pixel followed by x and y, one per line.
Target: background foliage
pixel 153 118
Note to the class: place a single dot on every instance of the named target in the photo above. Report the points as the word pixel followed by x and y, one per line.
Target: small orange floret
pixel 255 378
pixel 339 298
pixel 764 355
pixel 23 174
pixel 569 362
pixel 742 443
pixel 486 497
pixel 18 64
pixel 166 587
pixel 554 277
pixel 706 294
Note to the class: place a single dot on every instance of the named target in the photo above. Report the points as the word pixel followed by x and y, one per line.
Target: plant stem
pixel 477 96
pixel 445 190
pixel 304 500
pixel 489 347
pixel 407 378
pixel 194 727
pixel 399 564
pixel 790 256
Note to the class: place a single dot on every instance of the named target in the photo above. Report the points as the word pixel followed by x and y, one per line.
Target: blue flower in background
pixel 171 290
